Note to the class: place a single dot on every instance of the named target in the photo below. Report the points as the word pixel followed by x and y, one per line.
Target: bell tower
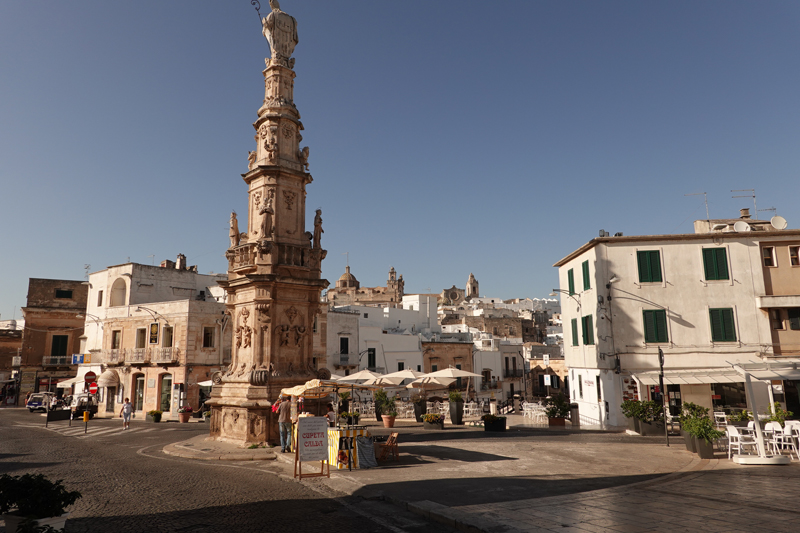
pixel 274 284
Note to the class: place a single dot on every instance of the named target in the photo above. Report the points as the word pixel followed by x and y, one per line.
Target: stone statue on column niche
pixel 318 231
pixel 280 30
pixel 234 232
pixel 266 223
pixel 302 155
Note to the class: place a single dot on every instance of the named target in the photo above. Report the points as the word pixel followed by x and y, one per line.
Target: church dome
pixel 347 280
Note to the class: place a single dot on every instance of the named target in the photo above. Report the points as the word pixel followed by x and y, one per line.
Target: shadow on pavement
pixel 454 492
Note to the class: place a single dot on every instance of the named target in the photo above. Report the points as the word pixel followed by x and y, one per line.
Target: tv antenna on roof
pixel 347 257
pixel 86 268
pixel 705 197
pixel 774 211
pixel 751 195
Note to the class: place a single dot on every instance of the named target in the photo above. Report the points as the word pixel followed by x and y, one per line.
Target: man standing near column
pixel 285 424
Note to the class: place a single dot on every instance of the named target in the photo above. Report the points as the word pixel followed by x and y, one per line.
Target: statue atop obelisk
pixel 274 284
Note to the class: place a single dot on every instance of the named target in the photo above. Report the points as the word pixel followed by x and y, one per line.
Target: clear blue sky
pixel 446 137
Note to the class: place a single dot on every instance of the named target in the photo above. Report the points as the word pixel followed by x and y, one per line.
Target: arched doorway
pixel 138 392
pixel 118 290
pixel 165 396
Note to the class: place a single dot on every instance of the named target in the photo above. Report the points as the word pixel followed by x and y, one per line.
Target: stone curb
pixel 174 450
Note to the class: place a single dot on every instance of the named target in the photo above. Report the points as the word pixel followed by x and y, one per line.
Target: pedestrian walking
pixel 285 424
pixel 125 413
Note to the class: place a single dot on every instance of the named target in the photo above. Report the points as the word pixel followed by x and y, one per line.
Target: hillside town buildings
pixel 348 291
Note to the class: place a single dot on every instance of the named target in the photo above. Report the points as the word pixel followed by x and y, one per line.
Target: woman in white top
pixel 331 416
pixel 125 413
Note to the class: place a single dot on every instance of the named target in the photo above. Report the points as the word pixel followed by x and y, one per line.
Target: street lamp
pixel 94 318
pixel 568 294
pixel 154 314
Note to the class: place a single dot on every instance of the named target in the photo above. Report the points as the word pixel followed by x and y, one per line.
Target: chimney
pixel 166 263
pixel 744 213
pixel 181 264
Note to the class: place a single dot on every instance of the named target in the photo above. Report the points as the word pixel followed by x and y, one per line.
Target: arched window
pixel 118 292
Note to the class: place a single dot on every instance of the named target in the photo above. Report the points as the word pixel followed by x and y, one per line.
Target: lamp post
pixel 664 404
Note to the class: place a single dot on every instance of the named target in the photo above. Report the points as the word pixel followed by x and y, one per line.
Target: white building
pixel 695 297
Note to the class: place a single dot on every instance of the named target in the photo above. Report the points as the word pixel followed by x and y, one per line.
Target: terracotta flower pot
pixel 388 421
pixel 557 421
pixel 184 417
pixel 433 425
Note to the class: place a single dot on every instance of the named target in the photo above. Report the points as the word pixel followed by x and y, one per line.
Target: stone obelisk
pixel 274 282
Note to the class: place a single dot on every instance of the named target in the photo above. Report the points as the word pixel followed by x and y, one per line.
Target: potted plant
pixel 631 410
pixel 740 419
pixel 184 413
pixel 456 408
pixel 651 418
pixel 779 414
pixel 206 415
pixel 704 433
pixel 420 406
pixel 493 422
pixel 344 400
pixel 557 410
pixel 154 416
pixel 380 399
pixel 432 421
pixel 35 501
pixel 390 413
pixel 690 412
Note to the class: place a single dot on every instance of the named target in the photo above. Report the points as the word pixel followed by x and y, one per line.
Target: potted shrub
pixel 493 422
pixel 154 416
pixel 390 413
pixel 380 402
pixel 184 413
pixel 420 406
pixel 344 401
pixel 631 409
pixel 779 414
pixel 34 500
pixel 456 408
pixel 432 421
pixel 557 410
pixel 651 418
pixel 690 412
pixel 704 433
pixel 740 419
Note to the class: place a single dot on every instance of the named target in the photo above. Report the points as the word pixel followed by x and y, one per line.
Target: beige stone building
pixel 348 291
pixel 52 334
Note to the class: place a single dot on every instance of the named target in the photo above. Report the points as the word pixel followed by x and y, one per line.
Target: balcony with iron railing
pixel 489 385
pixel 377 369
pixel 512 373
pixel 344 360
pixel 56 360
pixel 113 357
pixel 163 355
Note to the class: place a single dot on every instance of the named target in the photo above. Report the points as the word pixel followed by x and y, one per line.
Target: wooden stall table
pixel 336 443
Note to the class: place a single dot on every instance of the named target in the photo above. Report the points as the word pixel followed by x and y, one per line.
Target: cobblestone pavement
pixel 130 485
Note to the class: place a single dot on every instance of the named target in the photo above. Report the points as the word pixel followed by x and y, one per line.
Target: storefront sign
pixel 312 438
pixel 154 333
pixel 547 380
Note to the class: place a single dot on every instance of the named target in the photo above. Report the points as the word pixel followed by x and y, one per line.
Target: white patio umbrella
pixel 363 375
pixel 454 373
pixel 395 378
pixel 430 383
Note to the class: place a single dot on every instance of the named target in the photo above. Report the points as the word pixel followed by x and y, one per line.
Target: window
pixel 314 329
pixel 587 284
pixel 715 262
pixel 371 357
pixel 458 380
pixel 366 315
pixel 401 366
pixel 775 319
pixel 722 329
pixel 768 255
pixel 599 392
pixel 434 368
pixel 419 368
pixel 571 281
pixel 588 330
pixel 141 335
pixel 794 318
pixel 655 326
pixel 99 298
pixel 116 338
pixel 63 293
pixel 59 346
pixel 344 345
pixel 208 337
pixel 649 266
pixel 574 331
pixel 794 255
pixel 580 387
pixel 166 337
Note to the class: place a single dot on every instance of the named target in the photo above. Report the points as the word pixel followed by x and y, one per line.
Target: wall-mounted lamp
pixel 562 291
pixel 617 366
pixel 154 314
pixel 94 318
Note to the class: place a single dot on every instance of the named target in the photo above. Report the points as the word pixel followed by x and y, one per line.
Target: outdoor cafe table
pixel 336 442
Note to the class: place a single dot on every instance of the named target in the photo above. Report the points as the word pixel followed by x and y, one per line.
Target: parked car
pixel 39 401
pixel 82 403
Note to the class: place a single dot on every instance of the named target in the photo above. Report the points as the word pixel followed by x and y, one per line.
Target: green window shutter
pixel 708 263
pixel 655 326
pixel 588 333
pixel 571 281
pixel 644 270
pixel 575 332
pixel 587 284
pixel 654 261
pixel 721 259
pixel 722 328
